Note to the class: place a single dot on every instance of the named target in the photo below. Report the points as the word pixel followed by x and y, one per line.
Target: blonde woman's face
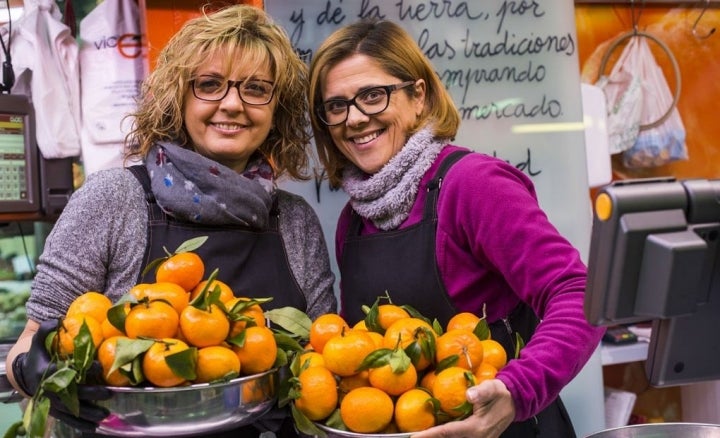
pixel 228 131
pixel 370 141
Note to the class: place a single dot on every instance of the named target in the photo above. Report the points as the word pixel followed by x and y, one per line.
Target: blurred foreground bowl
pixel 189 410
pixel 338 433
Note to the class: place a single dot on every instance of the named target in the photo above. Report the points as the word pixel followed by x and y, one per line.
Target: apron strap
pixel 433 187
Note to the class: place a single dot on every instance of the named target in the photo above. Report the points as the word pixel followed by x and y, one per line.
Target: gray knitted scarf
pixel 191 187
pixel 387 196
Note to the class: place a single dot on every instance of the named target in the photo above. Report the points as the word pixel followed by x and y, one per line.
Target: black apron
pixel 402 263
pixel 252 262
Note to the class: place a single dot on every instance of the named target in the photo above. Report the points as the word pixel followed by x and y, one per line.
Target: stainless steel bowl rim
pixel 666 425
pixel 344 433
pixel 660 430
pixel 193 387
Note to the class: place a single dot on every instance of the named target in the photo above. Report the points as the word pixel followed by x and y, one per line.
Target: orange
pixel 151 319
pixel 109 330
pixel 92 304
pixel 325 327
pixel 203 328
pixel 462 343
pixel 106 356
pixel 348 383
pixel 394 383
pixel 155 367
pixel 411 331
pixel 241 315
pixel 344 353
pixel 463 320
pixel 427 380
pixel 494 353
pixel 69 329
pixel 414 411
pixel 311 359
pixel 389 313
pixel 257 391
pixel 258 351
pixel 173 293
pixel 186 269
pixel 226 293
pixel 377 339
pixel 449 388
pixel 484 372
pixel 318 393
pixel 216 363
pixel 366 410
pixel 360 325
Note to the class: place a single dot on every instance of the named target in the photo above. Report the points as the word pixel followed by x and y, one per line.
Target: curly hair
pixel 399 55
pixel 240 33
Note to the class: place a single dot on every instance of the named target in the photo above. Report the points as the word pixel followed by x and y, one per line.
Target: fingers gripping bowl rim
pixel 189 410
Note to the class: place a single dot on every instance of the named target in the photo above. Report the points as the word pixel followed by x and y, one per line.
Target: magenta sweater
pixel 496 246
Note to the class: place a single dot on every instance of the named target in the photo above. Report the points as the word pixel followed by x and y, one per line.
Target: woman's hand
pixel 493 411
pixel 31 367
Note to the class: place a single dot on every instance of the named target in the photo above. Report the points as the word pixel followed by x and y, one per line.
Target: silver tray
pixel 195 409
pixel 661 430
pixel 337 433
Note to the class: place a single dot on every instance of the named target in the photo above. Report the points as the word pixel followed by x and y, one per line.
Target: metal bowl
pixel 662 430
pixel 337 433
pixel 195 409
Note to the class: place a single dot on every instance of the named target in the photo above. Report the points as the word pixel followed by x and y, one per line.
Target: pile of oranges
pixel 176 331
pixel 394 371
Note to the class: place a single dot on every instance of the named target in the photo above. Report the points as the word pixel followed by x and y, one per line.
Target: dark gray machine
pixel 654 256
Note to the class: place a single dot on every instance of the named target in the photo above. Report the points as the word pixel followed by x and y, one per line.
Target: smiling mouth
pixel 228 126
pixel 367 138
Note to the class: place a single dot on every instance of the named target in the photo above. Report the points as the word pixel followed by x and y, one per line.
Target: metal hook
pixel 636 18
pixel 697 20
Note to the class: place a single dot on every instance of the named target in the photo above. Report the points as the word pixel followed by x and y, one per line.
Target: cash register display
pixel 19 155
pixel 13 165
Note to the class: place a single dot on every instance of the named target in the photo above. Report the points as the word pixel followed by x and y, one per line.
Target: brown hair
pixel 238 32
pixel 399 55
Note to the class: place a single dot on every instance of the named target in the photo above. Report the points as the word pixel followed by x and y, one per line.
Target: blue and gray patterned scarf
pixel 191 187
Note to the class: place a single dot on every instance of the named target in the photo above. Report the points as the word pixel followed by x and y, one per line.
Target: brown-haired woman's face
pixel 370 141
pixel 228 130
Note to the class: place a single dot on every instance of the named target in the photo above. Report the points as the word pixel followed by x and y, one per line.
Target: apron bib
pixel 252 262
pixel 402 263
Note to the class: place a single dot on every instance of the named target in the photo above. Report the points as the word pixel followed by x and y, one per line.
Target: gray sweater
pixel 99 240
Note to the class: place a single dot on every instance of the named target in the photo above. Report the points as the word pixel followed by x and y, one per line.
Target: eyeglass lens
pixel 252 91
pixel 370 102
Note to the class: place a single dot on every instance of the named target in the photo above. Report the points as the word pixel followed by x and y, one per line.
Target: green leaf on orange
pixel 291 319
pixel 304 424
pixel 183 363
pixel 128 350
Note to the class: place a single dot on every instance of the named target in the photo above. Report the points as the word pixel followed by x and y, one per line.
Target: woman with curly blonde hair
pixel 239 33
pixel 220 119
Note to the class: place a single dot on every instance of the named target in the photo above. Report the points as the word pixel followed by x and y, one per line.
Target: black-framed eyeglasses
pixel 370 102
pixel 252 91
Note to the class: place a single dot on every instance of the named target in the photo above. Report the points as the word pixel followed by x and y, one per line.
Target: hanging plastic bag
pixel 623 94
pixel 45 61
pixel 662 135
pixel 112 64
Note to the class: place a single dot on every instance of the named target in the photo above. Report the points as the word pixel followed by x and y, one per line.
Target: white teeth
pixel 226 126
pixel 367 138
